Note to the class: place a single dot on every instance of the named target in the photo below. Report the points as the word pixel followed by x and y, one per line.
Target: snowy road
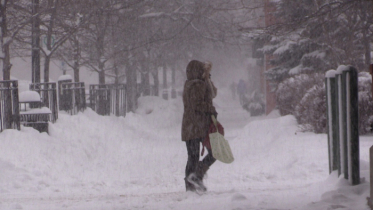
pixel 137 162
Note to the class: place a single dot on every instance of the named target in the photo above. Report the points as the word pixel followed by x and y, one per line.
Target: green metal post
pixel 333 141
pixel 352 126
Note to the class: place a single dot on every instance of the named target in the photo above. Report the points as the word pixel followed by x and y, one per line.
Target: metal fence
pixel 48 95
pixel 9 106
pixel 72 97
pixel 108 99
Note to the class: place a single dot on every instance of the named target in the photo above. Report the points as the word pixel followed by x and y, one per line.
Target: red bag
pixel 212 129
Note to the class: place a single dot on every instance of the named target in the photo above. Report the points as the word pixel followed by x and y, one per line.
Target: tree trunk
pixel 144 89
pixel 131 89
pixel 102 98
pixel 367 50
pixel 141 89
pixel 164 76
pixel 165 92
pixel 50 39
pixel 366 38
pixel 76 60
pixel 46 77
pixel 156 81
pixel 173 78
pixel 117 98
pixel 4 42
pixel 35 53
pixel 46 68
pixel 101 77
pixel 101 63
pixel 78 96
pixel 6 62
pixel 76 71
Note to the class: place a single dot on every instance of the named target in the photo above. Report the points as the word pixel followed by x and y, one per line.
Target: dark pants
pixel 193 156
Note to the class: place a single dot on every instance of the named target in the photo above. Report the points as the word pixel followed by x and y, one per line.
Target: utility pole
pixel 35 43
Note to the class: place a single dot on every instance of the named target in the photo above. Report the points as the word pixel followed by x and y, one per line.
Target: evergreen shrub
pixel 365 102
pixel 304 96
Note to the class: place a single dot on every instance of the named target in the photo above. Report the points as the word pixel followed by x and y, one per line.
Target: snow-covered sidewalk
pixel 137 162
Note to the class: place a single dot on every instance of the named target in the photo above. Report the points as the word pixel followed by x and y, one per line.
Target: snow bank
pixel 273 151
pixel 344 196
pixel 160 113
pixel 105 162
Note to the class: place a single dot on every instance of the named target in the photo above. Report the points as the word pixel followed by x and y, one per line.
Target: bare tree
pixel 14 19
pixel 77 16
pixel 60 25
pixel 5 40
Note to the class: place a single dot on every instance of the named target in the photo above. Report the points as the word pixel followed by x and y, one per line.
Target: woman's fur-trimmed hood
pixel 195 70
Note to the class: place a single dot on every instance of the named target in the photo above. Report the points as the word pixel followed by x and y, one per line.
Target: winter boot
pixel 196 182
pixel 189 186
pixel 197 178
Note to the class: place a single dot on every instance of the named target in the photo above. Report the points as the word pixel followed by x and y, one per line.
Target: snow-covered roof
pixel 65 77
pixel 29 96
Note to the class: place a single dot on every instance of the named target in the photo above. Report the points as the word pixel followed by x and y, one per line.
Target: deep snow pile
pixel 104 162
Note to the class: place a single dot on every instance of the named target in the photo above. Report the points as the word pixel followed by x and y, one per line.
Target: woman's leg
pixel 193 159
pixel 204 165
pixel 209 159
pixel 200 171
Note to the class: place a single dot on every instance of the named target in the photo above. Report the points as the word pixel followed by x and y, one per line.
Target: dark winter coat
pixel 197 99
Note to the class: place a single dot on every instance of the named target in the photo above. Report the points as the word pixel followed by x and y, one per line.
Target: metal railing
pixel 108 99
pixel 48 95
pixel 72 97
pixel 9 106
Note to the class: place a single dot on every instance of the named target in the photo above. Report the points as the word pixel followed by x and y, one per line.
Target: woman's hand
pixel 207 68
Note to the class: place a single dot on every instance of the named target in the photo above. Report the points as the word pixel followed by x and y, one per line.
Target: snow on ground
pixel 104 162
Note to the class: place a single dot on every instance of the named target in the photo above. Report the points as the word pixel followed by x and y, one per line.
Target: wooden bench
pixel 31 113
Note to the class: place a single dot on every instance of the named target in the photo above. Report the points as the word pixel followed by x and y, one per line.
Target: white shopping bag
pixel 220 146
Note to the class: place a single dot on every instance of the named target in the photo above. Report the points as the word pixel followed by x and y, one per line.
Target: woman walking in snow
pixel 198 108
